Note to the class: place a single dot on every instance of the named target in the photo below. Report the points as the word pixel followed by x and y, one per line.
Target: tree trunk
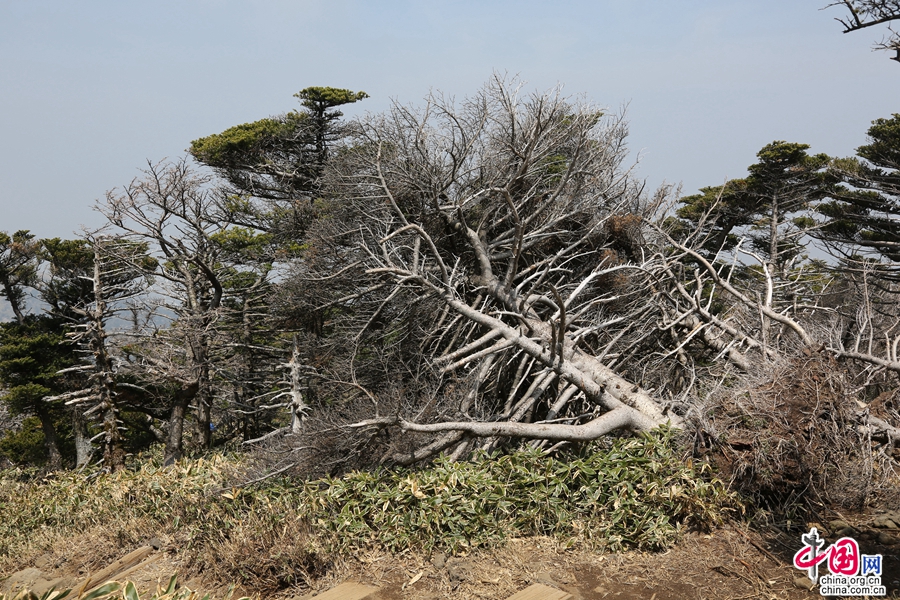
pixel 83 447
pixel 298 406
pixel 204 416
pixel 113 454
pixel 773 237
pixel 200 358
pixel 176 423
pixel 51 440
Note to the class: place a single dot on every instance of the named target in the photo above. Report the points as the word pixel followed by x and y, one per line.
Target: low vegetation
pixel 629 493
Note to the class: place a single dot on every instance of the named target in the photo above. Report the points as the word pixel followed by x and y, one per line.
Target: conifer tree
pixel 864 218
pixel 273 165
pixel 768 207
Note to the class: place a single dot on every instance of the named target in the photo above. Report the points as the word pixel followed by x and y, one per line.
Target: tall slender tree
pixel 34 348
pixel 65 286
pixel 767 207
pixel 118 269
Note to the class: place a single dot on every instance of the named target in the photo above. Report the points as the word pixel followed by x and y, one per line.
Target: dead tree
pixel 172 210
pixel 754 329
pixel 516 218
pixel 869 13
pixel 293 386
pixel 115 280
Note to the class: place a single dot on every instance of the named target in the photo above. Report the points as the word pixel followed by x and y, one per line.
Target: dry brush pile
pixel 800 433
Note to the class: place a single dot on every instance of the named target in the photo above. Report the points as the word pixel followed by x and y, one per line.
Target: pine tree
pixel 274 165
pixel 863 220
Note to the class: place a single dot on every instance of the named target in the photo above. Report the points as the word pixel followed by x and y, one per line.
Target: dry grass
pixel 115 590
pixel 794 436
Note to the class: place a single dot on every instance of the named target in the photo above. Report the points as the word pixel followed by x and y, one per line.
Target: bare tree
pixel 502 248
pixel 868 13
pixel 515 218
pixel 754 330
pixel 117 277
pixel 171 209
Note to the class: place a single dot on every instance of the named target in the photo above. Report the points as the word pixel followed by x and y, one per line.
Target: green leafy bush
pixel 26 444
pixel 635 492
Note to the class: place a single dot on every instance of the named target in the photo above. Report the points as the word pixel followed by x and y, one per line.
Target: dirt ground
pixel 725 564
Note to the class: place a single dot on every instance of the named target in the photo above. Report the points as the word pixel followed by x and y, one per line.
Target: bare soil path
pixel 725 564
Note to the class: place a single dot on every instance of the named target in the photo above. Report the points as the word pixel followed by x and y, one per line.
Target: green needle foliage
pixel 281 157
pixel 864 216
pixel 781 186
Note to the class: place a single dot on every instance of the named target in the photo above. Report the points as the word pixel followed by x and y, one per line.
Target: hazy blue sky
pixel 90 90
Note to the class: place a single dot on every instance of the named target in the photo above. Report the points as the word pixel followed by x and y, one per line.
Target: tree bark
pixel 51 439
pixel 298 406
pixel 620 418
pixel 83 447
pixel 183 398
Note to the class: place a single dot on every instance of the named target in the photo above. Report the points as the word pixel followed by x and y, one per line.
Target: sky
pixel 92 90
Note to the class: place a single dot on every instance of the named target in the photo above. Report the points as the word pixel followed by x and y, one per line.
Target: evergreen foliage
pixel 865 216
pixel 18 268
pixel 31 355
pixel 768 202
pixel 282 157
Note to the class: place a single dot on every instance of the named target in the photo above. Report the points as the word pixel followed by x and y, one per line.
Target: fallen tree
pixel 490 273
pixel 514 220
